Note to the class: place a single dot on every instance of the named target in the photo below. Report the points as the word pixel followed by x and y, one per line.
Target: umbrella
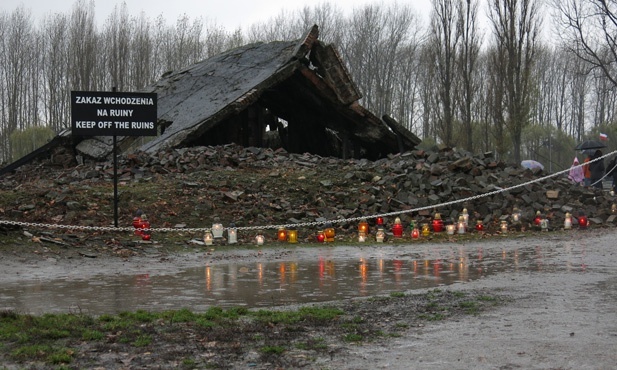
pixel 590 144
pixel 531 164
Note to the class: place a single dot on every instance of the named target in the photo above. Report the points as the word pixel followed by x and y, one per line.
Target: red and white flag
pixel 603 137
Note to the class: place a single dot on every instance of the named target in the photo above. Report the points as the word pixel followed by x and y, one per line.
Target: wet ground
pixel 328 273
pixel 562 314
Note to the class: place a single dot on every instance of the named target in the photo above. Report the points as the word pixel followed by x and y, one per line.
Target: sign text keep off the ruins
pixel 99 113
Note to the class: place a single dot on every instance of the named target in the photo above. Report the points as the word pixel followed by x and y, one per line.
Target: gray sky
pixel 230 14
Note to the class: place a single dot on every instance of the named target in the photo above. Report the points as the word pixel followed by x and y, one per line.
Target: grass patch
pixel 314 344
pixel 272 350
pixel 353 337
pixel 470 307
pixel 487 298
pixel 432 316
pixel 54 340
pixel 92 335
pixel 142 341
pixel 304 314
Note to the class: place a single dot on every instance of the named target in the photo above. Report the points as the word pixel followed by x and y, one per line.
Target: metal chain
pixel 301 224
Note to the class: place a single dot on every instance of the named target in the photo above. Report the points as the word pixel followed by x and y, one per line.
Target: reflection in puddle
pixel 328 277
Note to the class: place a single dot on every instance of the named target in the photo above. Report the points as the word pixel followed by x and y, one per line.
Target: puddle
pixel 329 276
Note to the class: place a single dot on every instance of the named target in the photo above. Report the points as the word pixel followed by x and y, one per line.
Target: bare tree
pixel 589 30
pixel 406 106
pixel 467 66
pixel 277 28
pixel 5 147
pixel 515 26
pixel 426 70
pixel 142 69
pixel 17 51
pixel 54 69
pixel 116 41
pixel 327 16
pixel 444 39
pixel 372 40
pixel 578 96
pixel 83 47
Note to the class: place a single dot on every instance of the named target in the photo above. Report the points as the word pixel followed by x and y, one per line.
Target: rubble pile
pixel 264 187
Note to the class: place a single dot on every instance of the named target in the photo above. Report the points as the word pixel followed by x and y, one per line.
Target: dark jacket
pixel 596 168
pixel 611 169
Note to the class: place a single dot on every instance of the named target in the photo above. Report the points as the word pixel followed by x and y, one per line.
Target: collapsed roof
pixel 296 95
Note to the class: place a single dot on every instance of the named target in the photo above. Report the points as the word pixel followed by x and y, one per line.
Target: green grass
pixel 272 350
pixel 317 344
pixel 432 316
pixel 142 341
pixel 353 337
pixel 54 340
pixel 487 298
pixel 48 338
pixel 312 314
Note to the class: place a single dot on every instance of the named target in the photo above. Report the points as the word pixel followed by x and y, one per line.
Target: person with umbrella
pixel 591 148
pixel 596 168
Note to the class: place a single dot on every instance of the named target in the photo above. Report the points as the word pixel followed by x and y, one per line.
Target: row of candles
pixel 437 225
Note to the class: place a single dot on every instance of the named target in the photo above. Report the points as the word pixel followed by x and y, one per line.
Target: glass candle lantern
pixel 137 222
pixel 380 235
pixel 415 233
pixel 208 237
pixel 583 222
pixel 397 228
pixel 614 208
pixel 538 218
pixel 217 230
pixel 426 231
pixel 281 234
pixel 465 215
pixel 450 228
pixel 363 227
pixel 292 236
pixel 479 225
pixel 503 227
pixel 321 237
pixel 259 239
pixel 567 222
pixel 437 223
pixel 379 221
pixel 361 237
pixel 460 226
pixel 516 216
pixel 329 233
pixel 145 227
pixel 544 224
pixel 232 234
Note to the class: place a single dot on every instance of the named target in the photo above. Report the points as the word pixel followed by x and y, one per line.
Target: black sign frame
pixel 110 113
pixel 113 113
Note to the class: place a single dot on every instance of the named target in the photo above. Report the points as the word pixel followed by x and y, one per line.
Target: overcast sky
pixel 228 13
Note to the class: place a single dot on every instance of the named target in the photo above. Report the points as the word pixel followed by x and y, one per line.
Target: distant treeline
pixel 484 79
